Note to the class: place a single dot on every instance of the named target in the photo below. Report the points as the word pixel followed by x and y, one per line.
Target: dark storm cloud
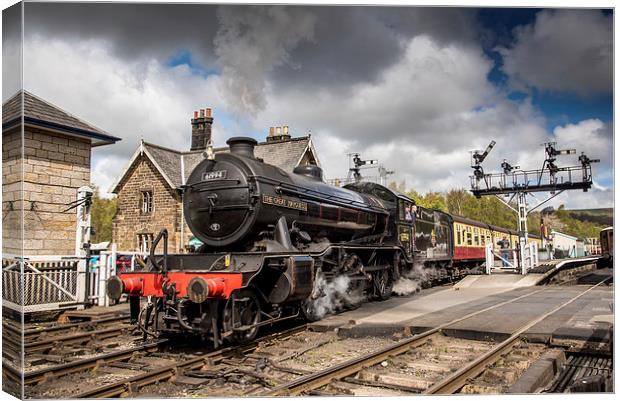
pixel 11 23
pixel 134 30
pixel 349 45
pixel 11 51
pixel 355 44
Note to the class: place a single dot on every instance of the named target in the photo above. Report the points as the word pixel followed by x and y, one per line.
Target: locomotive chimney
pixel 242 146
pixel 201 129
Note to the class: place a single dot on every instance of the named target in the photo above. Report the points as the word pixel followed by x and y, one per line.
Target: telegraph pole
pixel 517 184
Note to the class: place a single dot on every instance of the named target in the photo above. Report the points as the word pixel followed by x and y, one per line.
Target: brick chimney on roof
pixel 278 134
pixel 201 129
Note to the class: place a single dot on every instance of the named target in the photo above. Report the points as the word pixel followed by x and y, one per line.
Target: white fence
pixel 46 283
pixel 529 258
pixel 107 266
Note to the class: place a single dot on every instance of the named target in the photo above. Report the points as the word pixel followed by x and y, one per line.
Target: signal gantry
pixel 513 183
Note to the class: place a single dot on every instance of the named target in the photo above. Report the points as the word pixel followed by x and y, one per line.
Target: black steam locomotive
pixel 277 246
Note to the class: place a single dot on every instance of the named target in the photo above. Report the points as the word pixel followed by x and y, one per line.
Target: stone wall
pixel 12 192
pixel 129 220
pixel 54 167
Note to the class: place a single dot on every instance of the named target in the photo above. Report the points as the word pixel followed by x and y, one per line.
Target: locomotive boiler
pixel 235 200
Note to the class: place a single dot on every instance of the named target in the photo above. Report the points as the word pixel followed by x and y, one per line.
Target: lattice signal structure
pixel 516 183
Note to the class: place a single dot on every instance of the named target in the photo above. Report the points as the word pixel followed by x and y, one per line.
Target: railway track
pixel 448 385
pixel 44 344
pixel 43 338
pixel 38 376
pixel 43 331
pixel 239 356
pixel 259 369
pixel 583 373
pixel 53 345
pixel 126 359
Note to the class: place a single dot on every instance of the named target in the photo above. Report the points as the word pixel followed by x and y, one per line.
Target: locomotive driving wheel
pixel 383 284
pixel 241 315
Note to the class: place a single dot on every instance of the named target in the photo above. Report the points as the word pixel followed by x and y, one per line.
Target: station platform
pixel 587 319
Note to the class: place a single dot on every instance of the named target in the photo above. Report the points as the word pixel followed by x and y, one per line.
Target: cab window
pixel 405 211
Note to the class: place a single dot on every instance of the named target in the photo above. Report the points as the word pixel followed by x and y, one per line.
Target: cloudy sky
pixel 415 88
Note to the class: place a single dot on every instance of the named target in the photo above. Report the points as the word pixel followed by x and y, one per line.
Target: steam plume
pixel 411 282
pixel 333 296
pixel 250 42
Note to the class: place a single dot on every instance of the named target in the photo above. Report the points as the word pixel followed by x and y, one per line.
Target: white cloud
pixel 129 100
pixel 590 136
pixel 565 51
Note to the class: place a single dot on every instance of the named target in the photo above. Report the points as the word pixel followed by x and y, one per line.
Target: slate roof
pixel 176 166
pixel 42 114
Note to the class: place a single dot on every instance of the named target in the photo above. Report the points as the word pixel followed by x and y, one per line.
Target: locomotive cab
pixel 402 213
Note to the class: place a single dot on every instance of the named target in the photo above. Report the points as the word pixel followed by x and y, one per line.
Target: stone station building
pixel 46 154
pixel 149 195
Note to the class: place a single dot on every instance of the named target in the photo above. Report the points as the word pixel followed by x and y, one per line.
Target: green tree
pixel 455 201
pixel 101 213
pixel 433 200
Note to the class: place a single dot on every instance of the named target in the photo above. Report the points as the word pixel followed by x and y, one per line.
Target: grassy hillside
pixel 601 217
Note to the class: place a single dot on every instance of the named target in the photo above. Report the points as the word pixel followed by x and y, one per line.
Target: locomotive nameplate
pixel 285 202
pixel 214 175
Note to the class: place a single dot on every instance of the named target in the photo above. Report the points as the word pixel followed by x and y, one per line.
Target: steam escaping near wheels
pixel 331 297
pixel 411 282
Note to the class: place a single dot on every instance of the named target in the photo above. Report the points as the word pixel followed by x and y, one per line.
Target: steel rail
pixel 318 379
pixel 167 372
pixel 458 379
pixel 38 331
pixel 40 375
pixel 77 338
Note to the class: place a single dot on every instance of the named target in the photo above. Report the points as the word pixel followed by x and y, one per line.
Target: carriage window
pixel 458 235
pixel 469 238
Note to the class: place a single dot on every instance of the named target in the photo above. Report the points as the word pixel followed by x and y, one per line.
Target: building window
pixel 146 202
pixel 144 242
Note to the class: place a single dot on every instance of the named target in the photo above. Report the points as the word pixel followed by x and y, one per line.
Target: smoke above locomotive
pixel 235 200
